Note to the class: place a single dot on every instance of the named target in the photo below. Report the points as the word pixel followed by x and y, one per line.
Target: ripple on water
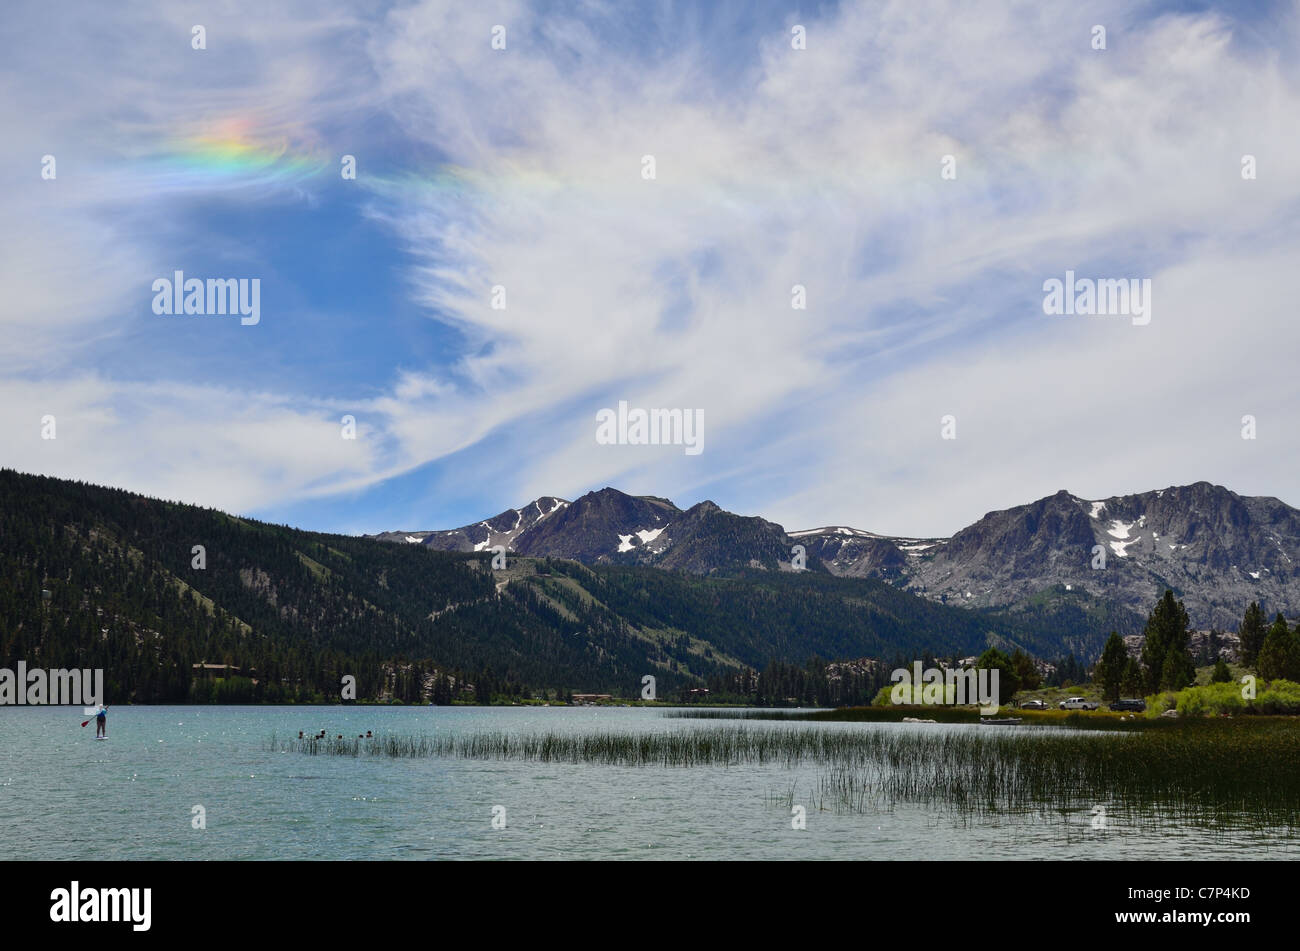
pixel 162 761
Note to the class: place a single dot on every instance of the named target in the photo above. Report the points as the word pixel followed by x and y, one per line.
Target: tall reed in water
pixel 1204 770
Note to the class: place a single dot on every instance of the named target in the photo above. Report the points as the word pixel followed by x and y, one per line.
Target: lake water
pixel 65 796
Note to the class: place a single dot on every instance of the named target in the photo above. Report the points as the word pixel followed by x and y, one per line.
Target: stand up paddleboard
pixel 92 712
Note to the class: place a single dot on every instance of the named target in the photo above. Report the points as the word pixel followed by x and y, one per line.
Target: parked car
pixel 1034 705
pixel 1126 704
pixel 1077 703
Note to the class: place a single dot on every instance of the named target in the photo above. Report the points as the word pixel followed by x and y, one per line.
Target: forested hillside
pixel 95 577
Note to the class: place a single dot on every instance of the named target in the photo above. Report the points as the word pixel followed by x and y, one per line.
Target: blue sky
pixel 522 167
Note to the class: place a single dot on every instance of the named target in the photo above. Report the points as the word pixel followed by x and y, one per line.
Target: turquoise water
pixel 65 796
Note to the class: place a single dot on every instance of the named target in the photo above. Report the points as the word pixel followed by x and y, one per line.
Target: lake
pixel 65 796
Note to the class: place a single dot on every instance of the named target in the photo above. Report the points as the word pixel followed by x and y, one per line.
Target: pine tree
pixel 1109 674
pixel 1221 675
pixel 1132 683
pixel 1178 671
pixel 1252 634
pixel 1026 670
pixel 1293 661
pixel 1275 656
pixel 1166 634
pixel 1008 681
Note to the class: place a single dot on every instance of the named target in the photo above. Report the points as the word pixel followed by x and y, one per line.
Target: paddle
pixel 87 721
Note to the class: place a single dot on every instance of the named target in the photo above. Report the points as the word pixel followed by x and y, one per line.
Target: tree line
pixel 1166 663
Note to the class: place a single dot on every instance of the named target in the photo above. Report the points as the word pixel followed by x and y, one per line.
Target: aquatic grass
pixel 1209 775
pixel 1204 771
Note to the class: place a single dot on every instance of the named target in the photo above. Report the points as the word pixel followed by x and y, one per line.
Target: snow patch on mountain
pixel 646 535
pixel 833 530
pixel 1119 529
pixel 559 504
pixel 1121 548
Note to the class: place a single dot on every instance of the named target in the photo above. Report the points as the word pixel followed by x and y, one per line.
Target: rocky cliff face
pixel 1217 550
pixel 503 529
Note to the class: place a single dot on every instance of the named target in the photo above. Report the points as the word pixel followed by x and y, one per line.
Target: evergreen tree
pixel 1026 670
pixel 1221 675
pixel 441 690
pixel 1275 656
pixel 1132 683
pixel 1213 645
pixel 1178 671
pixel 1252 634
pixel 1069 670
pixel 1166 634
pixel 1293 661
pixel 1008 681
pixel 1109 674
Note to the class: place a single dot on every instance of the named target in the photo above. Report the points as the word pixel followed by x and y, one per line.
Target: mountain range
pixel 177 602
pixel 1215 549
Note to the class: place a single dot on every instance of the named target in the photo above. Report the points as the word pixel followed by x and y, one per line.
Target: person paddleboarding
pixel 101 723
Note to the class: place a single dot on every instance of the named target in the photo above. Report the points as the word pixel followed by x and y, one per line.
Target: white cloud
pixel 816 167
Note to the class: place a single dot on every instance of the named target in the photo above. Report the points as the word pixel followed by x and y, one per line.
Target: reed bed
pixel 1205 771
